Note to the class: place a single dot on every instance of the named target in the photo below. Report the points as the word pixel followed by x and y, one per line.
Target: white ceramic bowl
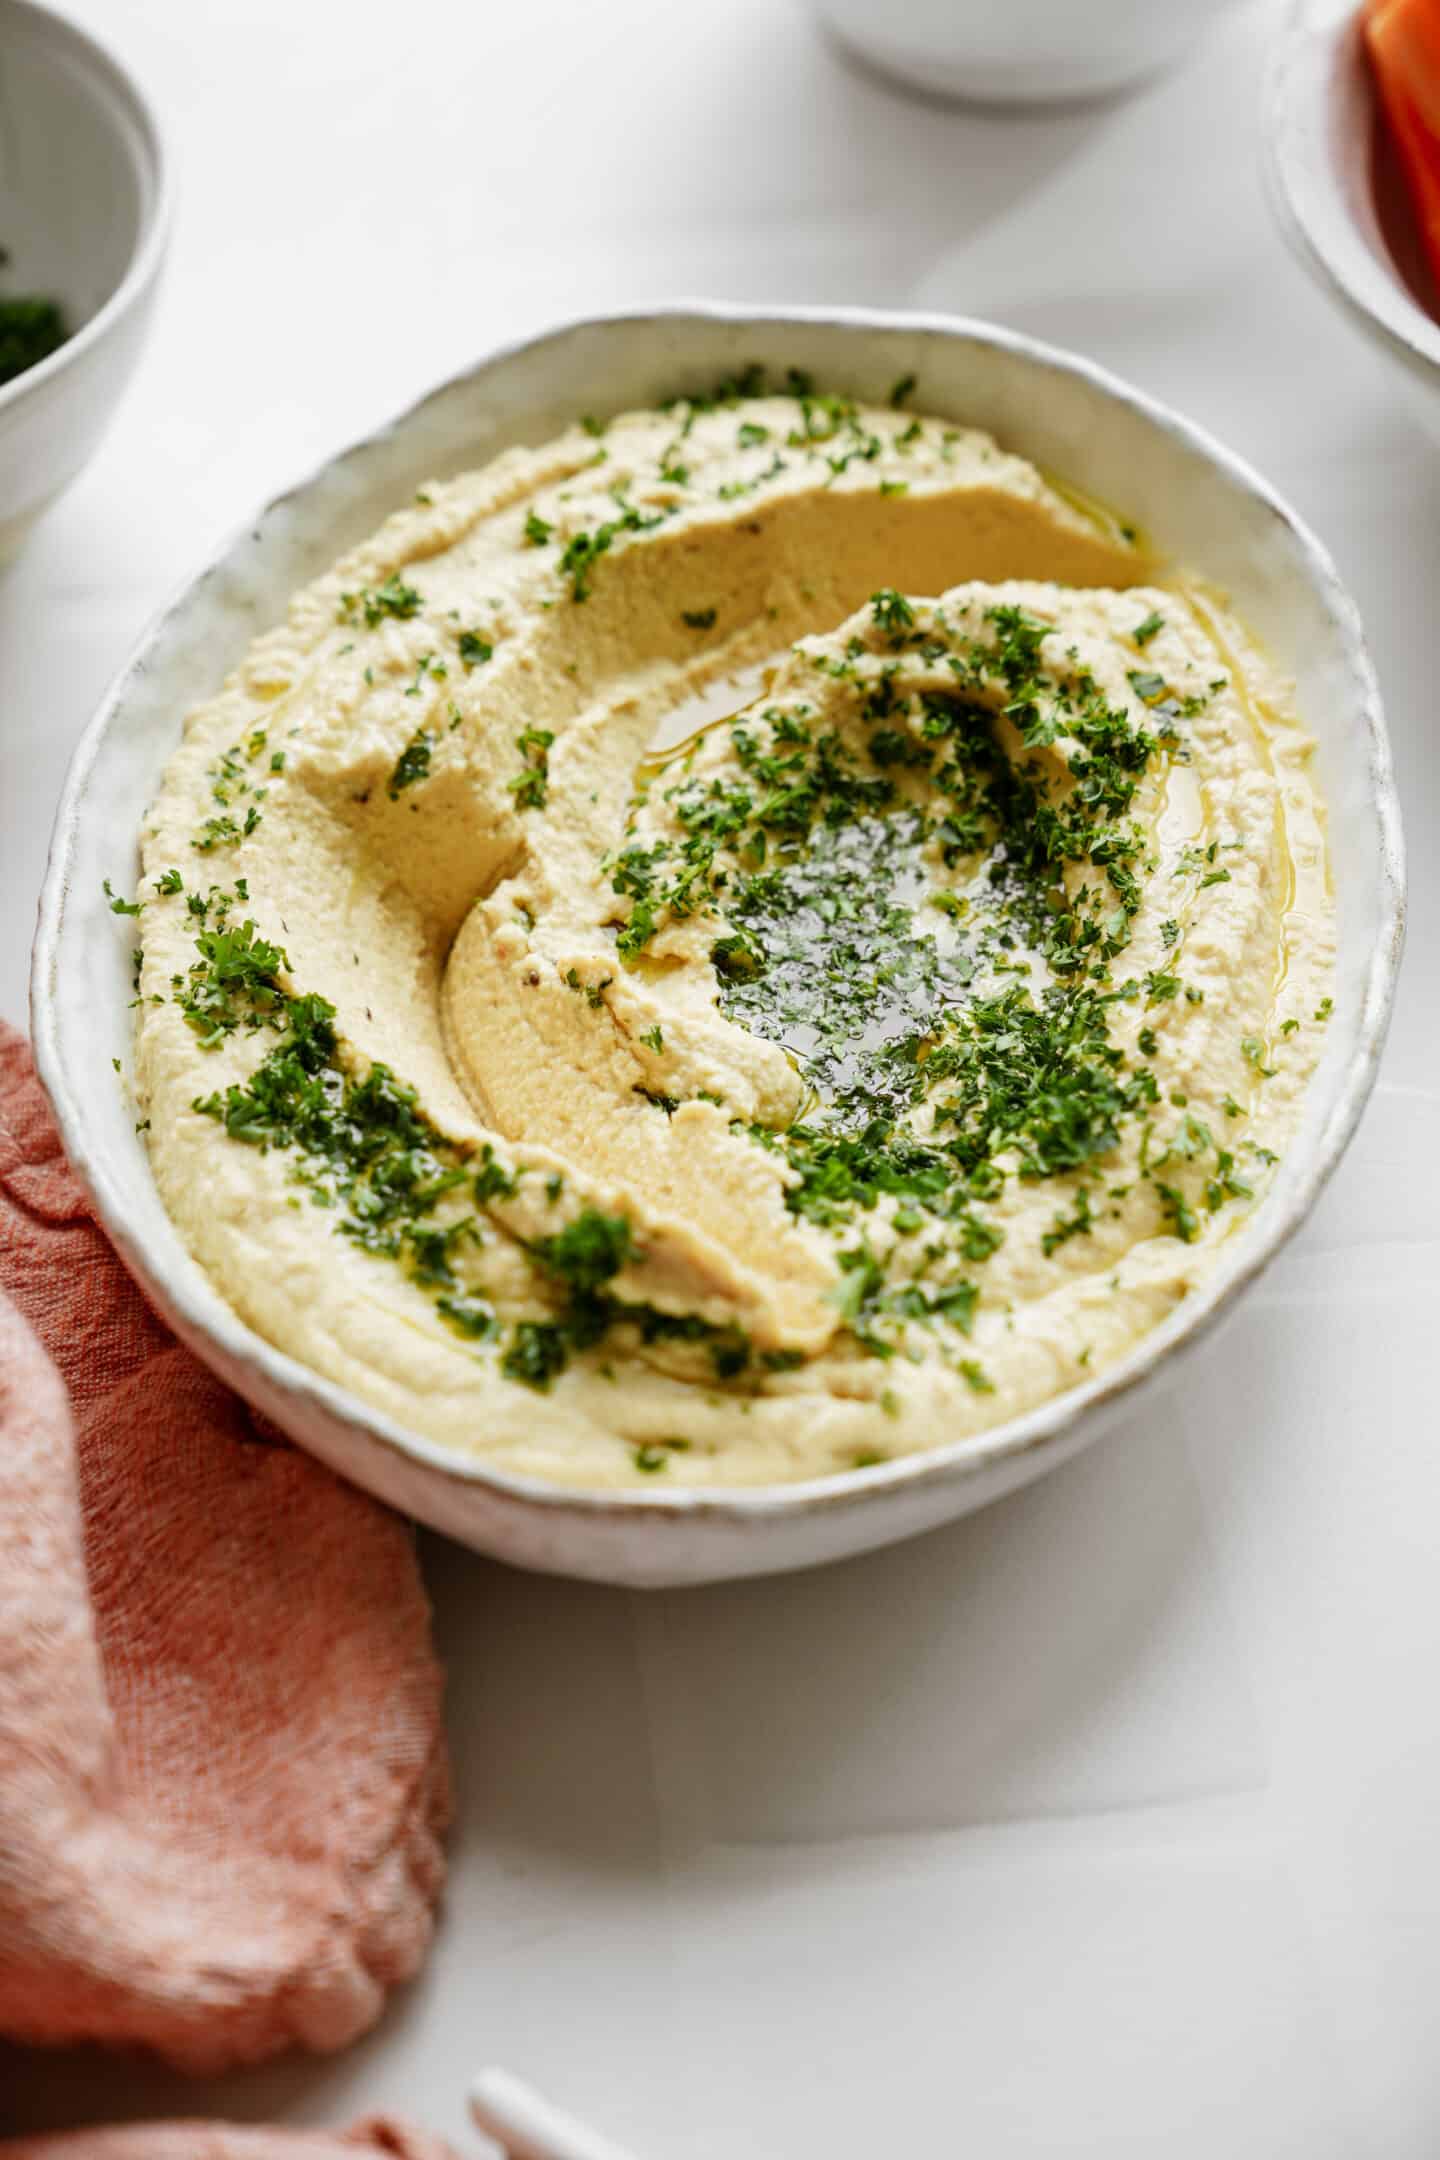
pixel 1024 52
pixel 83 215
pixel 1192 497
pixel 1319 132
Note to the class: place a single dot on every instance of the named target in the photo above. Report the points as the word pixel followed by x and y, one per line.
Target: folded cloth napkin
pixel 222 1768
pixel 228 2141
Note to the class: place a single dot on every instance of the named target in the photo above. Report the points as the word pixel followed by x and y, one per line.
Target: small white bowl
pixel 1193 498
pixel 1320 117
pixel 1024 52
pixel 84 201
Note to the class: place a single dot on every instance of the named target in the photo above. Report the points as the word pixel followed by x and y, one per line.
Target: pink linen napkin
pixel 223 1776
pixel 229 2141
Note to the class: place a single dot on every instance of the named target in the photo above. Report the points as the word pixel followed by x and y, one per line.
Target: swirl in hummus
pixel 877 1060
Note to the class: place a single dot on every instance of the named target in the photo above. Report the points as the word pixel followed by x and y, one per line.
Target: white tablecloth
pixel 1105 1822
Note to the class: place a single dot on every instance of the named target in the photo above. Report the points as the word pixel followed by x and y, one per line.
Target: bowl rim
pixel 183 1295
pixel 1322 35
pixel 149 248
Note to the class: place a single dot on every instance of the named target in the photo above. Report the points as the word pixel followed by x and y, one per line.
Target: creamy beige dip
pixel 877 1061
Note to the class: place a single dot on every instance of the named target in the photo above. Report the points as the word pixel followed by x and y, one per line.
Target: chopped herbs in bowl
pixel 864 1068
pixel 76 281
pixel 30 330
pixel 724 984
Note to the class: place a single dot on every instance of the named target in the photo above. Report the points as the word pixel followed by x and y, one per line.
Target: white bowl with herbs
pixel 785 908
pixel 82 237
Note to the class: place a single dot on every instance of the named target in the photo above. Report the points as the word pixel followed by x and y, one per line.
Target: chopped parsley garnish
pixel 1080 1222
pixel 530 783
pixel 373 604
pixel 536 1353
pixel 468 1316
pixel 583 550
pixel 235 982
pixel 1147 686
pixel 413 763
pixel 363 1149
pixel 1178 1213
pixel 587 1252
pixel 892 612
pixel 593 992
pixel 30 330
pixel 954 1035
pixel 223 832
pixel 118 904
pixel 924 905
pixel 232 782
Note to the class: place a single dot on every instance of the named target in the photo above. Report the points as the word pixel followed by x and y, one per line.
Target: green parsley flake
pixel 31 329
pixel 530 783
pixel 394 599
pixel 119 905
pixel 413 763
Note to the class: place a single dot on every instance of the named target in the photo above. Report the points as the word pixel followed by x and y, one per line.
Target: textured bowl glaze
pixel 1193 499
pixel 1319 155
pixel 84 213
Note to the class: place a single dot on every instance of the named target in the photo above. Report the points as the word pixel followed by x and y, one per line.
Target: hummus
pixel 741 943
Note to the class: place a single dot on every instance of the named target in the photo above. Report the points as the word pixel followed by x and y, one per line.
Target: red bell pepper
pixel 1403 40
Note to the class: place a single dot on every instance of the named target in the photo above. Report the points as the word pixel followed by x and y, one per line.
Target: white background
pixel 1107 1822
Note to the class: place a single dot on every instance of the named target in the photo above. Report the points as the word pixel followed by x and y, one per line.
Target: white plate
pixel 1193 499
pixel 1320 117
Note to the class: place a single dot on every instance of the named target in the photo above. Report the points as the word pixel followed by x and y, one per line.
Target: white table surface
pixel 1108 1821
